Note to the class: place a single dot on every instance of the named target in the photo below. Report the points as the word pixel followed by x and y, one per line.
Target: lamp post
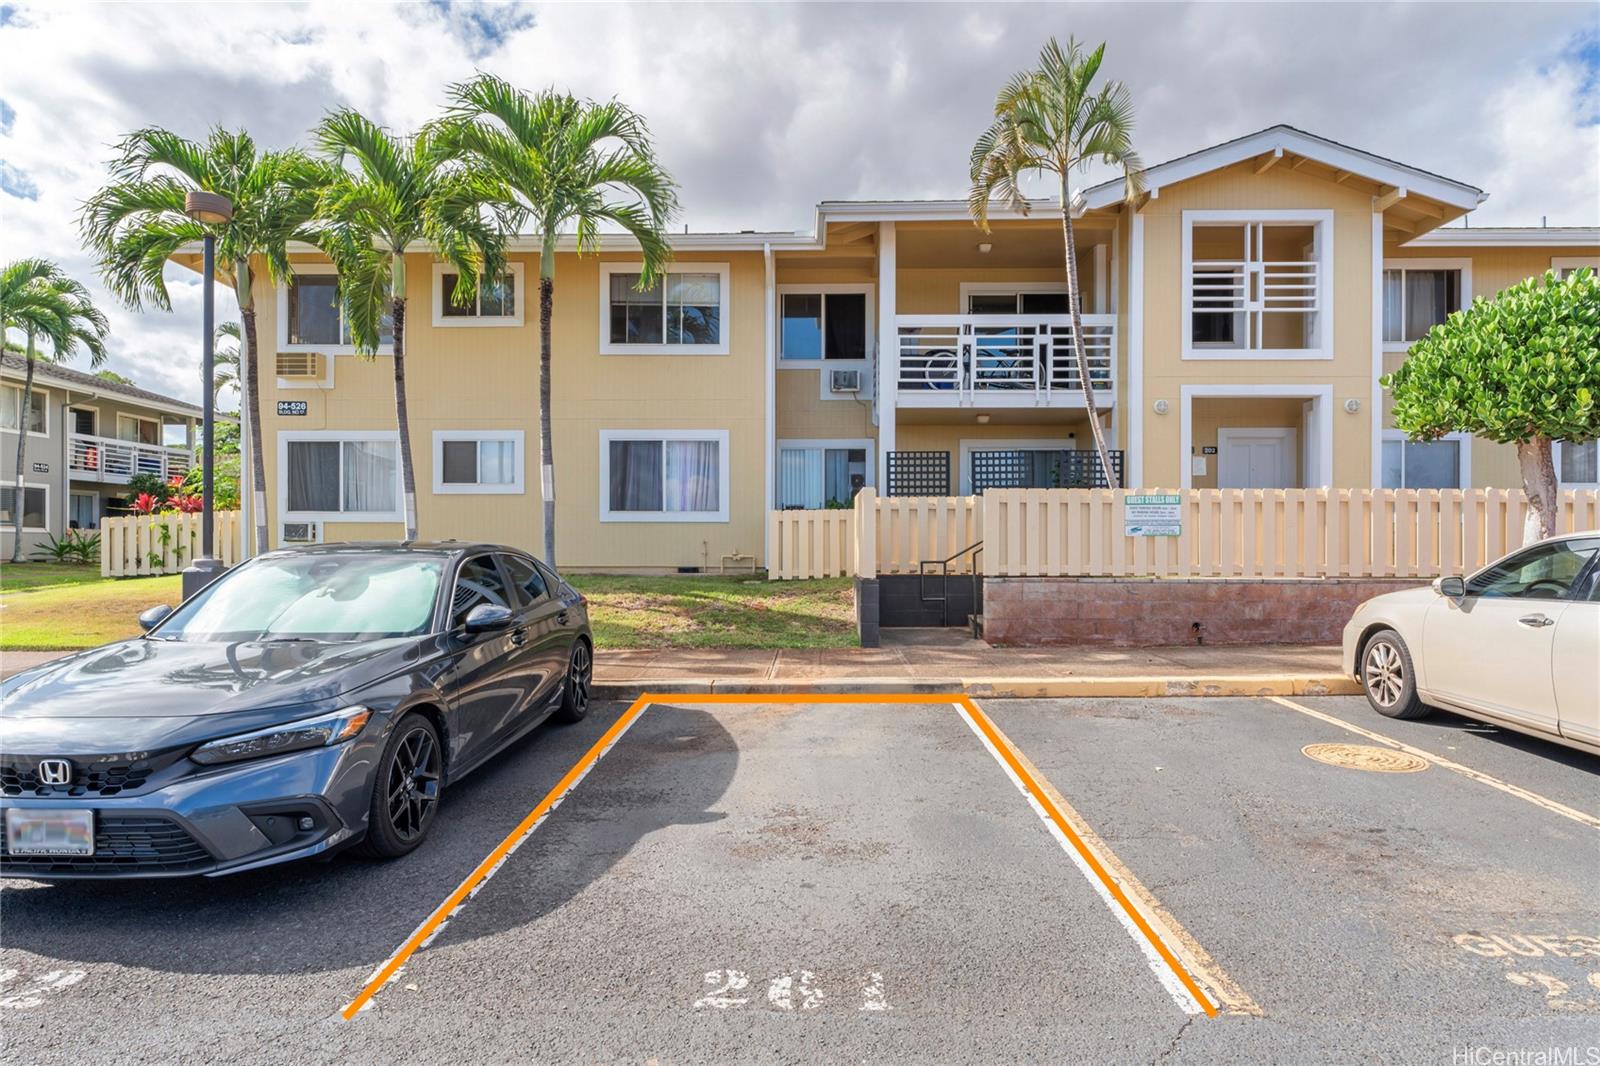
pixel 213 210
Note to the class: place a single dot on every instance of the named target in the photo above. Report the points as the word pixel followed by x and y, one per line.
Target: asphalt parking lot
pixel 1042 880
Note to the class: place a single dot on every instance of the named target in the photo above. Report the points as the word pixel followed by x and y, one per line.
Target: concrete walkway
pixel 924 660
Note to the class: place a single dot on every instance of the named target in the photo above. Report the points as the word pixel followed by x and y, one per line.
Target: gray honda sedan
pixel 306 701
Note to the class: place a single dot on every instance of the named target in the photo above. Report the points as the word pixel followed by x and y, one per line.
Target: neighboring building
pixel 86 438
pixel 1238 318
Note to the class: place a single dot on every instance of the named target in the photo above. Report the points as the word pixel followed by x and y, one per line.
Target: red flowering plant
pixel 144 503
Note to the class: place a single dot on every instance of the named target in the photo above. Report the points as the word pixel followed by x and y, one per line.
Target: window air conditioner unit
pixel 299 365
pixel 844 381
pixel 302 533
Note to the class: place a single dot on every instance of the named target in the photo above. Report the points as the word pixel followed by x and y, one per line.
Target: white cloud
pixel 761 110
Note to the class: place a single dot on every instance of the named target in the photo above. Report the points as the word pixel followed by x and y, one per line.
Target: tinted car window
pixel 478 581
pixel 525 579
pixel 1545 572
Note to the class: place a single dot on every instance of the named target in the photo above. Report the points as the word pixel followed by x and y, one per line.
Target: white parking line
pixel 1440 761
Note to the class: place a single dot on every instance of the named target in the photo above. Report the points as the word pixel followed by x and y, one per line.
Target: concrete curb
pixel 999 688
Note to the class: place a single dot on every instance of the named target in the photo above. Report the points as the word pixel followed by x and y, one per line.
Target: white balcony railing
pixel 1002 360
pixel 116 461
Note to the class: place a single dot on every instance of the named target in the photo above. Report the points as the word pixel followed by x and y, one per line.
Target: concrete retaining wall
pixel 1145 613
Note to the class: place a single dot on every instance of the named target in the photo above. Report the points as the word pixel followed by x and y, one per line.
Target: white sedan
pixel 1516 644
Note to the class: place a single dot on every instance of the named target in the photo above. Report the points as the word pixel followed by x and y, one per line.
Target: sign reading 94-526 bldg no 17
pixel 1152 516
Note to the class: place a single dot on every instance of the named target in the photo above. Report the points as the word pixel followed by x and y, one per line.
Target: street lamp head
pixel 207 207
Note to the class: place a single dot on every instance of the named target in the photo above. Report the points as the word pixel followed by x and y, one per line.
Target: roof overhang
pixel 1509 237
pixel 42 376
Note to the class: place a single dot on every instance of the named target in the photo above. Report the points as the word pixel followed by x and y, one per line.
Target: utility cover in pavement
pixel 1365 757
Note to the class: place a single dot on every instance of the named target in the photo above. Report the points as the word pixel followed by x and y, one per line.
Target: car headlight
pixel 320 732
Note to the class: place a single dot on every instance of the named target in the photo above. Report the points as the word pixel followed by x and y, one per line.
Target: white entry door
pixel 1256 459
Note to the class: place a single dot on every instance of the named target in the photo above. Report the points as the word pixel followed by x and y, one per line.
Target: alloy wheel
pixel 1384 673
pixel 579 676
pixel 413 784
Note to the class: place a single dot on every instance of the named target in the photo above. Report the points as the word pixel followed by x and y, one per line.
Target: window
pixel 823 325
pixel 525 579
pixel 1018 303
pixel 38 410
pixel 481 462
pixel 313 315
pixel 1434 464
pixel 497 303
pixel 138 430
pixel 817 474
pixel 1577 464
pixel 1420 294
pixel 1256 284
pixel 85 421
pixel 477 582
pixel 664 476
pixel 1566 266
pixel 83 511
pixel 1543 572
pixel 340 476
pixel 684 312
pixel 35 507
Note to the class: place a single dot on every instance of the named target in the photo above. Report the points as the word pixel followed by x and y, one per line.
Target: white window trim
pixel 969 445
pixel 93 497
pixel 516 487
pixel 161 431
pixel 72 422
pixel 1558 263
pixel 990 288
pixel 283 317
pixel 867 290
pixel 1462 265
pixel 1319 428
pixel 44 405
pixel 1463 467
pixel 724 295
pixel 723 462
pixel 1555 455
pixel 10 525
pixel 1323 239
pixel 443 321
pixel 828 444
pixel 285 436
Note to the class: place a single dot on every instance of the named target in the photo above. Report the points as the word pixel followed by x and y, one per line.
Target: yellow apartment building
pixel 1237 317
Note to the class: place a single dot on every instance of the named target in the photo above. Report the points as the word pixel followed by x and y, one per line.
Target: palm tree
pixel 225 361
pixel 387 193
pixel 41 302
pixel 565 164
pixel 137 222
pixel 1049 120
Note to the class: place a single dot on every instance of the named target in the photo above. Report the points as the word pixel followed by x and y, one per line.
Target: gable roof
pixel 1288 139
pixel 66 377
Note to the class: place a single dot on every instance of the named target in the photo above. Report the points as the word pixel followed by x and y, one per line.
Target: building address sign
pixel 292 407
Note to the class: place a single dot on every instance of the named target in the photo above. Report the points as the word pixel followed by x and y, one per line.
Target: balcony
pixel 1002 360
pixel 116 461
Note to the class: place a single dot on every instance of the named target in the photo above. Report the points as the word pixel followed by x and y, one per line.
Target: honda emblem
pixel 55 771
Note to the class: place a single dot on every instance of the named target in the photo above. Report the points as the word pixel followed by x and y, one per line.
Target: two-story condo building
pixel 1237 318
pixel 87 438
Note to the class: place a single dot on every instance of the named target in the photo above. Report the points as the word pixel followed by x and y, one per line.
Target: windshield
pixel 313 597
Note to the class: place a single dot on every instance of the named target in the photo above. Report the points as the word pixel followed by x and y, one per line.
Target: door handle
pixel 1537 621
pixel 519 637
pixel 562 618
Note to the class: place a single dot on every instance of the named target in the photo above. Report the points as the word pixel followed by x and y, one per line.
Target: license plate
pixel 42 832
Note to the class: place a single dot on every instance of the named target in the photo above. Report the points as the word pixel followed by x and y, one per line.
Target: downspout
pixel 770 425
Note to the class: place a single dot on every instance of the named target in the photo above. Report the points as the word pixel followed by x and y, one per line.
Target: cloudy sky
pixel 760 110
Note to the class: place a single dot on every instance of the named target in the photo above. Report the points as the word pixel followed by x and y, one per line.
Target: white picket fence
pixel 141 545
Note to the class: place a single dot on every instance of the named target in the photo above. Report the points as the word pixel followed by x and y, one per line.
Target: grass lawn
pixel 49 606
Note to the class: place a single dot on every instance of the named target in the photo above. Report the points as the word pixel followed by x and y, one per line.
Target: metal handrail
pixel 976 548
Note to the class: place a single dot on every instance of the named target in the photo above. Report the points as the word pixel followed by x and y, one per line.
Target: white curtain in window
pixel 800 477
pixel 1393 305
pixel 692 482
pixel 369 476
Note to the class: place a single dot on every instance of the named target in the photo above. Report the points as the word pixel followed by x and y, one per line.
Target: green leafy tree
pixel 137 222
pixel 1051 120
pixel 225 362
pixel 44 304
pixel 389 193
pixel 566 165
pixel 1522 368
pixel 113 377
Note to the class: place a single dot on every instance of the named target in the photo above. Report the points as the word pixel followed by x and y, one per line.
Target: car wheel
pixel 576 685
pixel 405 790
pixel 1388 677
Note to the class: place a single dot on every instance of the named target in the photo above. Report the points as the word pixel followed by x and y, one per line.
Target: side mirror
pixel 152 616
pixel 1453 587
pixel 487 617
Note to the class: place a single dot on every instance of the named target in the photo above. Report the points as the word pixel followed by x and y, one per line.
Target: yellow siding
pixel 1350 369
pixel 803 414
